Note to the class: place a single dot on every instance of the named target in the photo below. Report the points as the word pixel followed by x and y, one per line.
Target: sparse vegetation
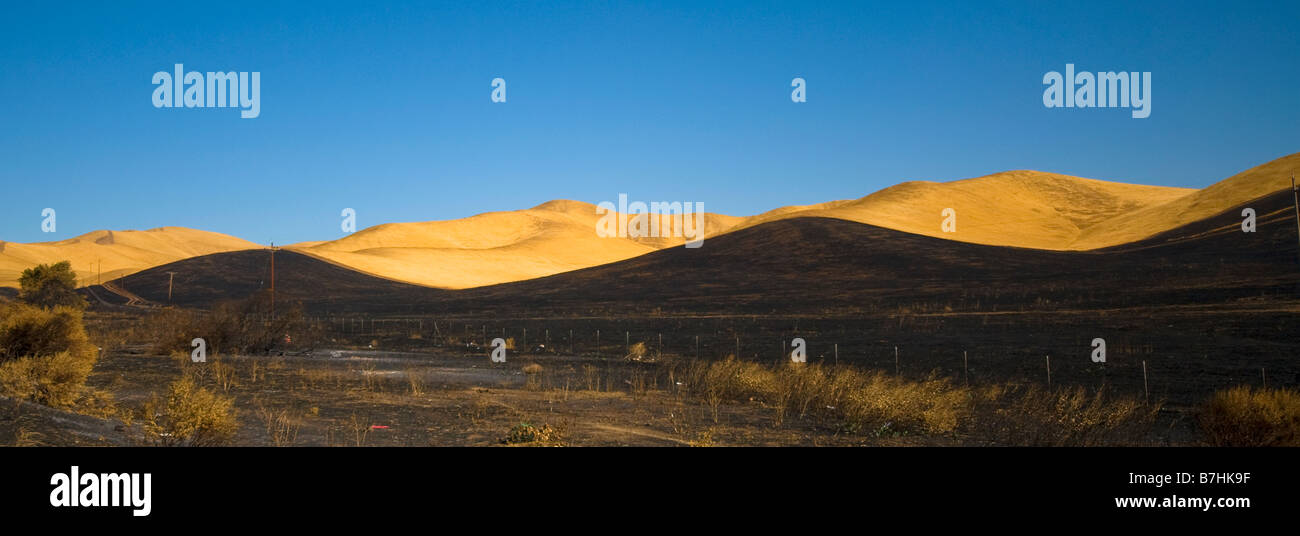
pixel 281 427
pixel 1246 417
pixel 1063 417
pixel 415 380
pixel 879 405
pixel 858 401
pixel 236 327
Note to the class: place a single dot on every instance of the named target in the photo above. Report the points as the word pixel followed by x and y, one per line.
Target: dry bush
pixel 243 327
pixel 1035 416
pixel 636 351
pixel 45 355
pixel 527 434
pixel 532 376
pixel 887 405
pixel 192 416
pixel 1245 417
pixel 731 380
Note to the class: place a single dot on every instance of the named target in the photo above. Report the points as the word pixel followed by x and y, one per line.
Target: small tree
pixel 51 286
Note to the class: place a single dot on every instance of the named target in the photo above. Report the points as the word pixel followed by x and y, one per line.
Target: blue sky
pixel 385 108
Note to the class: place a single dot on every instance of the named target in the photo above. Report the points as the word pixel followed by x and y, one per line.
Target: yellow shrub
pixel 1245 417
pixel 45 355
pixel 196 416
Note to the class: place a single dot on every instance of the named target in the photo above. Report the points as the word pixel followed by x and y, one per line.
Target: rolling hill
pixel 111 254
pixel 808 265
pixel 1015 208
pixel 1025 209
pixel 1028 209
pixel 495 247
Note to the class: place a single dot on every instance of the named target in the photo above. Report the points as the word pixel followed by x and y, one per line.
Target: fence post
pixel 965 370
pixel 1146 390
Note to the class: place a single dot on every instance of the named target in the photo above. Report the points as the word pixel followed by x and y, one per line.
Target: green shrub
pixel 1245 417
pixel 49 285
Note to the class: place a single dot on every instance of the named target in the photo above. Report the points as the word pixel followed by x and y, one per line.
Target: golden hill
pixel 1235 190
pixel 1029 209
pixel 1024 208
pixel 121 252
pixel 495 247
pixel 1015 208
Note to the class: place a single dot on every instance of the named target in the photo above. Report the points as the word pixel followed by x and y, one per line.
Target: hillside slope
pixel 120 252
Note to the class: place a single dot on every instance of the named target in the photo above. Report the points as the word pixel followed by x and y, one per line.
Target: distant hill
pixel 809 266
pixel 1014 208
pixel 121 252
pixel 1029 209
pixel 554 237
pixel 1253 183
pixel 1025 209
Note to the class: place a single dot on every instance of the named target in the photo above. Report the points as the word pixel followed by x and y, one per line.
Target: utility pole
pixel 170 276
pixel 272 280
pixel 1295 193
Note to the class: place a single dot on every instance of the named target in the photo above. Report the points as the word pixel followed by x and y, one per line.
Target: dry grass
pixel 281 427
pixel 857 401
pixel 878 404
pixel 415 380
pixel 1245 417
pixel 1063 417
